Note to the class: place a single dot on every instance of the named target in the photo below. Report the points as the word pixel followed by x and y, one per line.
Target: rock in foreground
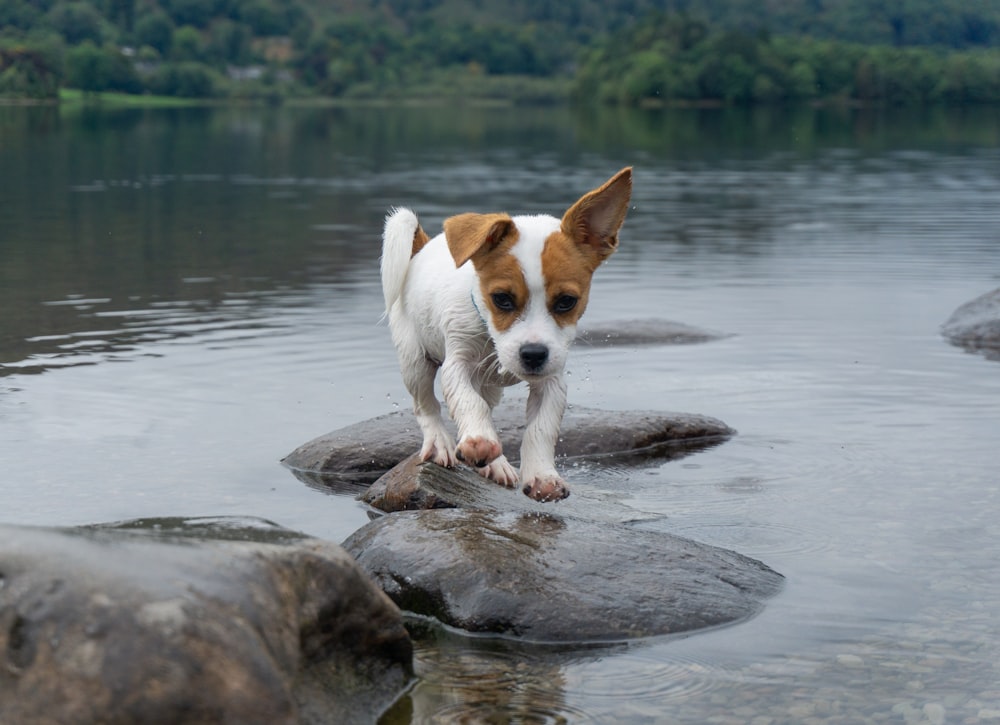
pixel 121 626
pixel 360 453
pixel 546 578
pixel 976 325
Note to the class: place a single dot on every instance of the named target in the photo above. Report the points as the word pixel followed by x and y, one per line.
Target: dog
pixel 492 301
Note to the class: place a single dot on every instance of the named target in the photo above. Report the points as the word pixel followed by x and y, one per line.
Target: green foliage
pixel 185 79
pixel 77 22
pixel 156 30
pixel 610 51
pixel 270 17
pixel 121 13
pixel 971 77
pixel 19 14
pixel 196 13
pixel 94 70
pixel 670 59
pixel 30 70
pixel 229 42
pixel 187 45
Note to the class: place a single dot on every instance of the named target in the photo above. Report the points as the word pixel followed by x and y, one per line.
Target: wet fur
pixel 484 304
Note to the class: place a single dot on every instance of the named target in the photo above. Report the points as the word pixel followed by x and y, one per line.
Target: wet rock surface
pixel 415 485
pixel 550 578
pixel 361 453
pixel 173 620
pixel 482 558
pixel 636 333
pixel 976 325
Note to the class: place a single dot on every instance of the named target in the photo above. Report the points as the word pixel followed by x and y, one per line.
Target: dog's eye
pixel 563 304
pixel 504 301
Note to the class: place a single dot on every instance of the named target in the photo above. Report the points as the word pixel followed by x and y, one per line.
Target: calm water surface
pixel 186 296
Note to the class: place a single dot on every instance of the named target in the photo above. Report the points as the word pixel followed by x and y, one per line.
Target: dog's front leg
pixel 478 442
pixel 418 376
pixel 546 405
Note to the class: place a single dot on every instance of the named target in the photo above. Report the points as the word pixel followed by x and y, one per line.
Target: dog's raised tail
pixel 402 237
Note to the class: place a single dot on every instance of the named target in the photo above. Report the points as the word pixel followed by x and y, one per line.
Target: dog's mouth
pixel 534 376
pixel 528 376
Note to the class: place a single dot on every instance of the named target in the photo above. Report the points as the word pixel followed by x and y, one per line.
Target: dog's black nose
pixel 534 355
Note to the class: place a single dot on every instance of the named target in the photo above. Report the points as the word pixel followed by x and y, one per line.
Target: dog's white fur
pixel 440 316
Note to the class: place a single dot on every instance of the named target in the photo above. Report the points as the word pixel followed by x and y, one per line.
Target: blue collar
pixel 472 296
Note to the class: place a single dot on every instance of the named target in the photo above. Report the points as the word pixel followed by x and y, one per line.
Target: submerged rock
pixel 361 453
pixel 548 578
pixel 976 325
pixel 414 485
pixel 161 621
pixel 634 333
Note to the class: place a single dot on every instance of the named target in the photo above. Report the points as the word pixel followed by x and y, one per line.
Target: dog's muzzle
pixel 533 357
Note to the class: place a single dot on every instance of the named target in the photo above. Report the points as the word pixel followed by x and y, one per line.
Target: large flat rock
pixel 548 578
pixel 170 621
pixel 976 325
pixel 361 453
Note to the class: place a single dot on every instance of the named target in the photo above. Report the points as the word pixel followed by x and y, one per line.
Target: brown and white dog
pixel 492 301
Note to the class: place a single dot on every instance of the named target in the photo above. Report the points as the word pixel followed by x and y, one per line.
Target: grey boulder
pixel 361 453
pixel 546 578
pixel 170 621
pixel 976 325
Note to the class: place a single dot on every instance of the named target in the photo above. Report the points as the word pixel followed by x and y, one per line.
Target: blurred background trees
pixel 608 51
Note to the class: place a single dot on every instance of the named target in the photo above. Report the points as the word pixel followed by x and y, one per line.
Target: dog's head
pixel 535 271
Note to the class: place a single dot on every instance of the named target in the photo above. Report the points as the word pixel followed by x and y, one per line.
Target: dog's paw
pixel 478 452
pixel 440 450
pixel 501 471
pixel 546 487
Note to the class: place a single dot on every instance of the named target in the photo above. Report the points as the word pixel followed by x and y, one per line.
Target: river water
pixel 188 295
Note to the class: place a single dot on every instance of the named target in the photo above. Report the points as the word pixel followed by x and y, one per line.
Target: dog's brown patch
pixel 420 239
pixel 477 236
pixel 502 274
pixel 486 240
pixel 588 235
pixel 567 268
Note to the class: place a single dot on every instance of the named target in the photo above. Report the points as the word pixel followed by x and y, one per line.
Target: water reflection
pixel 230 256
pixel 132 205
pixel 466 679
pixel 110 335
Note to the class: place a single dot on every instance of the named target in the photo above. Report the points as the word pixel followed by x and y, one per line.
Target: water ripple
pixel 646 678
pixel 758 538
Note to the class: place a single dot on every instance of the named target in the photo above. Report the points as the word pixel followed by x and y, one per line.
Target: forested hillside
pixel 618 51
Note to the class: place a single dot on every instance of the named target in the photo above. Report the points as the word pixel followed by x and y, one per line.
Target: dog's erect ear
pixel 471 234
pixel 595 219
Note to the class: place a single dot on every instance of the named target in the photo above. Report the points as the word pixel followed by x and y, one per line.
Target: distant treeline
pixel 613 51
pixel 672 58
